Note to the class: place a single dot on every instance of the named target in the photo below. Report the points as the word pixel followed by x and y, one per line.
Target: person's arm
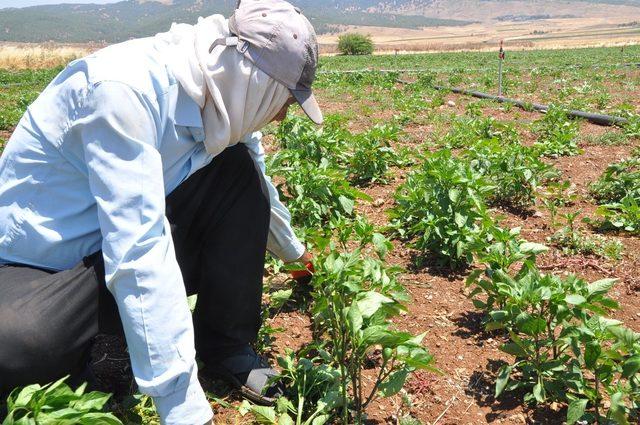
pixel 124 170
pixel 282 241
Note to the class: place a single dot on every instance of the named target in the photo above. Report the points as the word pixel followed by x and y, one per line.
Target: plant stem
pixel 597 403
pixel 381 377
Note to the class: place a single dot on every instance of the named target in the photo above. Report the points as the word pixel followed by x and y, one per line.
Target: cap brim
pixel 309 105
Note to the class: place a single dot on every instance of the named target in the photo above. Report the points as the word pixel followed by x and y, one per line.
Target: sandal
pixel 249 373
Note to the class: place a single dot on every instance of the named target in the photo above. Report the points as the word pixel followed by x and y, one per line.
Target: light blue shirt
pixel 88 168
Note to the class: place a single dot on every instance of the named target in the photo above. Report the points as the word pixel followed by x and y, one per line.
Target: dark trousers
pixel 219 220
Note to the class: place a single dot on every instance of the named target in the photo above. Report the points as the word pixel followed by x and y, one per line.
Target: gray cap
pixel 278 39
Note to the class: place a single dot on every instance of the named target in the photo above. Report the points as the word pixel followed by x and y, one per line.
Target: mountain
pixel 137 18
pixel 126 19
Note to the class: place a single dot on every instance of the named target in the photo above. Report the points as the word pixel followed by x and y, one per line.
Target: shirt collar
pixel 188 112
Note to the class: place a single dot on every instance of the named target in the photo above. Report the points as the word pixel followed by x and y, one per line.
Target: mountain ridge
pixel 114 22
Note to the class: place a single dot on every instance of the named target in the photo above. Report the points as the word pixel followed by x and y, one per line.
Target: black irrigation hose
pixel 420 71
pixel 600 119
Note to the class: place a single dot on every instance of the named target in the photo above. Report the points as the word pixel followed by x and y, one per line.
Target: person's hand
pixel 303 277
pixel 306 257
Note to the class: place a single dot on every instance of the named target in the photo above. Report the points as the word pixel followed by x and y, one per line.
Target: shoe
pixel 249 373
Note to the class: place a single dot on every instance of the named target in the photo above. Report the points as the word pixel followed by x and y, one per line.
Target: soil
pixel 467 356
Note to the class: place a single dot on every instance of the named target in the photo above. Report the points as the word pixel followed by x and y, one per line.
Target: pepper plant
pixel 355 296
pixel 557 134
pixel 441 208
pixel 57 403
pixel 609 354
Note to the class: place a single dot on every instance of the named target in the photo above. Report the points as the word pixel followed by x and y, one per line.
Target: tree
pixel 355 44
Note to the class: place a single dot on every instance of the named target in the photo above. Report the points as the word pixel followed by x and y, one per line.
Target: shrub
pixel 557 134
pixel 372 154
pixel 618 190
pixel 314 193
pixel 565 348
pixel 623 215
pixel 355 299
pixel 618 180
pixel 442 208
pixel 466 132
pixel 355 44
pixel 514 170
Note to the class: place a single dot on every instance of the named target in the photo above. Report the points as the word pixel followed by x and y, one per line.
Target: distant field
pixel 537 34
pixel 37 56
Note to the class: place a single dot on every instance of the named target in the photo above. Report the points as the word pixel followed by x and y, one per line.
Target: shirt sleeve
pixel 124 169
pixel 282 241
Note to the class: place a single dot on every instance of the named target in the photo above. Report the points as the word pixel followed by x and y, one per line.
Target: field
pixel 475 262
pixel 589 31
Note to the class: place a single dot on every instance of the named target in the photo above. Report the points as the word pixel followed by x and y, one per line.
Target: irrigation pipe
pixel 600 119
pixel 420 71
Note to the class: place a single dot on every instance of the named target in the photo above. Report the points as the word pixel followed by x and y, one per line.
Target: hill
pixel 120 21
pixel 109 23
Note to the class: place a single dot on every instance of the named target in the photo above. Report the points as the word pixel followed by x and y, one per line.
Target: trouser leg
pixel 48 321
pixel 220 223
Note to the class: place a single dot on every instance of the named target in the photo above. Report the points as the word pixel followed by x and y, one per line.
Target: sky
pixel 25 3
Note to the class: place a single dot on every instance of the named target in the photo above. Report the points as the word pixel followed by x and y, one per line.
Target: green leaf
pixel 492 326
pixel 592 352
pixel 91 401
pixel 575 299
pixel 513 349
pixel 479 304
pixel 601 286
pixel 280 298
pixel 498 315
pixel 264 415
pixel 394 383
pixel 533 248
pixel 576 410
pixel 379 334
pixel 460 220
pixel 381 244
pixel 346 204
pixel 244 408
pixel 631 366
pixel 454 195
pixel 503 379
pixel 23 397
pixel 531 325
pixel 617 411
pixel 285 419
pixel 473 276
pixel 370 302
pixel 354 317
pixel 97 418
pixel 539 393
pixel 330 401
pixel 320 419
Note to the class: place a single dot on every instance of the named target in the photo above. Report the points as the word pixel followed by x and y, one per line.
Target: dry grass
pixel 29 56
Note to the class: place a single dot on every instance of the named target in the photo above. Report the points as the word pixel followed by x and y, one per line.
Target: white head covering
pixel 235 96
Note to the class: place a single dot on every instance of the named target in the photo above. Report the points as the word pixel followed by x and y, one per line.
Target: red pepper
pixel 303 276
